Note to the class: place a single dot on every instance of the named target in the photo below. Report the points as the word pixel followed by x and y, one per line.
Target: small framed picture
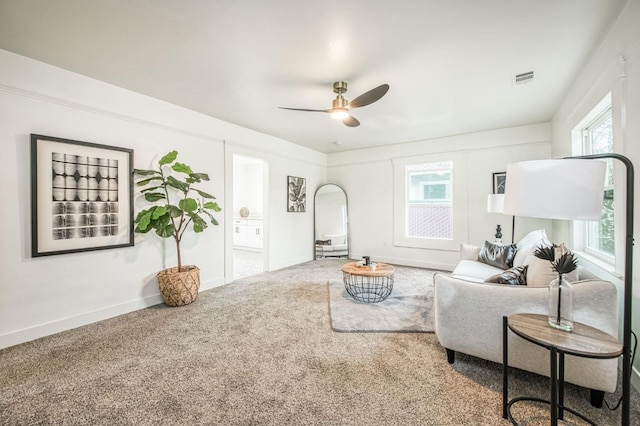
pixel 297 194
pixel 499 180
pixel 81 196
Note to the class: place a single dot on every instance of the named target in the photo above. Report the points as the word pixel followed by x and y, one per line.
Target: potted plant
pixel 170 219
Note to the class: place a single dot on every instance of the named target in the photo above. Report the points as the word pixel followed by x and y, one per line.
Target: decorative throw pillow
pixel 541 273
pixel 513 276
pixel 497 255
pixel 323 242
pixel 528 244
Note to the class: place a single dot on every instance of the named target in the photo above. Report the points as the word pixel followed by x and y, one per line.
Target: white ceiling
pixel 450 64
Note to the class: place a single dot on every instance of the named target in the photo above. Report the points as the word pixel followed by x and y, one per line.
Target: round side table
pixel 583 341
pixel 368 284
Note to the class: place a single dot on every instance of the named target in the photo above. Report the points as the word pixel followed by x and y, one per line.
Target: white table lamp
pixel 495 204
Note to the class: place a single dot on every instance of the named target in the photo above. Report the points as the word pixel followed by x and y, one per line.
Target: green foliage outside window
pixel 599 140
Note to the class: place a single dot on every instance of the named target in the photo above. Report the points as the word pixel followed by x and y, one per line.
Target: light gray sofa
pixel 468 318
pixel 337 248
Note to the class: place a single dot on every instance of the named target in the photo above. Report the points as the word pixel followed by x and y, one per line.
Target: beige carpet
pixel 259 351
pixel 409 307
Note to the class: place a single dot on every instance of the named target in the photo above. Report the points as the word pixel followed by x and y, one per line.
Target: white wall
pixel 614 67
pixel 367 178
pixel 41 296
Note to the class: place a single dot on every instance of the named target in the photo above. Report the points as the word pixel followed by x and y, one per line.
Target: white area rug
pixel 409 308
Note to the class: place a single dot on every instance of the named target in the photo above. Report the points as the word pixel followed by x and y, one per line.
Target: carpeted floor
pixel 259 351
pixel 409 307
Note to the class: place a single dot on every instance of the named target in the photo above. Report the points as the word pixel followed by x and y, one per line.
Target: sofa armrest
pixel 469 252
pixel 468 319
pixel 468 315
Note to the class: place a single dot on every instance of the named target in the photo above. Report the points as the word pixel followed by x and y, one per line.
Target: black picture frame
pixel 296 194
pixel 499 182
pixel 81 196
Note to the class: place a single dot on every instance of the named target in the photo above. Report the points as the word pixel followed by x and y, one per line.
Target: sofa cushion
pixel 528 244
pixel 472 270
pixel 497 255
pixel 336 239
pixel 540 272
pixel 514 276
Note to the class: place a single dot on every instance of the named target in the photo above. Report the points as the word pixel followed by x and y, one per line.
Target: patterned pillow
pixel 323 242
pixel 513 276
pixel 497 255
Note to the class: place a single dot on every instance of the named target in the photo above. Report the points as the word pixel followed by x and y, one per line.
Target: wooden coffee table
pixel 368 284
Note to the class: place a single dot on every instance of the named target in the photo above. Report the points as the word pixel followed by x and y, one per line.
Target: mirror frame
pixel 346 200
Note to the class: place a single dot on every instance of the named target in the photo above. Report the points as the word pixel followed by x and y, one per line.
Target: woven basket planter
pixel 179 288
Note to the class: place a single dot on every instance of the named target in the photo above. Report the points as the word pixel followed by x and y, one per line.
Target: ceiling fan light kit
pixel 340 106
pixel 339 113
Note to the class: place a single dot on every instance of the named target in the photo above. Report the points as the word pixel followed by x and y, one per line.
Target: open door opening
pixel 249 217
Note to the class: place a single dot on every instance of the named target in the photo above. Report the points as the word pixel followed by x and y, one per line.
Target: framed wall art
pixel 81 196
pixel 297 194
pixel 499 181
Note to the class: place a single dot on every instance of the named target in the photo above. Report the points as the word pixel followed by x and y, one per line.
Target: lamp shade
pixel 495 203
pixel 555 189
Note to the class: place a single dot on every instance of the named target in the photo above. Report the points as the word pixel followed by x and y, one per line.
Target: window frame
pixel 587 149
pixel 458 203
pixel 591 259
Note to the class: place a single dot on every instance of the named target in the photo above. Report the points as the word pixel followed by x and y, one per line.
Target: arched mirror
pixel 331 222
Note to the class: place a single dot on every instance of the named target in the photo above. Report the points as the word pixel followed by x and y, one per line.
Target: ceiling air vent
pixel 524 78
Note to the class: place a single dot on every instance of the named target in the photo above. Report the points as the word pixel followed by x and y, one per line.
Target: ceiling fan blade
pixel 304 109
pixel 351 121
pixel 369 97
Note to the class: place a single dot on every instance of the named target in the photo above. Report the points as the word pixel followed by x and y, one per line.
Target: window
pixel 598 139
pixel 429 202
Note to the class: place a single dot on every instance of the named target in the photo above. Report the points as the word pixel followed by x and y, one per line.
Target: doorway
pixel 249 218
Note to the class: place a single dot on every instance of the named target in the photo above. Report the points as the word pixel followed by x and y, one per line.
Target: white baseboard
pixel 46 329
pixel 212 284
pixel 290 262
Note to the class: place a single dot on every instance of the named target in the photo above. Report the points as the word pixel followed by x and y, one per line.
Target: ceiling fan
pixel 340 106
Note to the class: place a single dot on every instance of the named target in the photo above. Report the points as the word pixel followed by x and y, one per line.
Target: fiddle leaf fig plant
pixel 175 208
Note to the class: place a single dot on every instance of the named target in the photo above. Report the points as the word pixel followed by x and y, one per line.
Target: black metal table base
pixel 368 289
pixel 556 402
pixel 544 401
